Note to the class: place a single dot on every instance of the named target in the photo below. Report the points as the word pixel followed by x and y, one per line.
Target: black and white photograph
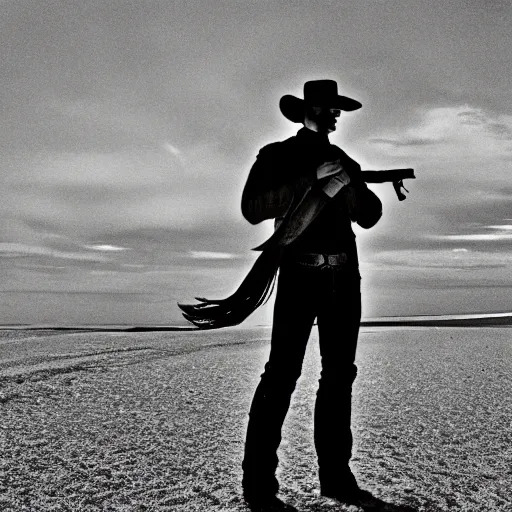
pixel 255 256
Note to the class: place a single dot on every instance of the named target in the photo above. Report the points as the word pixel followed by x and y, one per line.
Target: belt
pixel 321 260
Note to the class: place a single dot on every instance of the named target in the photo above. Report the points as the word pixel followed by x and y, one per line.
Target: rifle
pixel 396 176
pixel 312 203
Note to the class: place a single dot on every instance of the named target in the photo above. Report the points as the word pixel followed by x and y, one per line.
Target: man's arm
pixel 363 206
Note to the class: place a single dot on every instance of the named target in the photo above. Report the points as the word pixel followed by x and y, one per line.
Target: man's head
pixel 321 119
pixel 320 107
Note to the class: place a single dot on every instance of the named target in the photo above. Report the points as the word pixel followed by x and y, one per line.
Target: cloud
pixel 211 255
pixel 106 248
pixel 481 237
pixel 457 133
pixel 507 227
pixel 404 141
pixel 502 232
pixel 459 258
pixel 462 192
pixel 15 249
pixel 83 193
pixel 174 151
pixel 476 117
pixel 123 169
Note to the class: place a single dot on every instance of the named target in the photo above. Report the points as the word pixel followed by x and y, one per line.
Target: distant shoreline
pixel 470 320
pixel 466 320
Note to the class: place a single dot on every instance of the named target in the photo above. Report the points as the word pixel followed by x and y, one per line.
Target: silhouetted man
pixel 318 278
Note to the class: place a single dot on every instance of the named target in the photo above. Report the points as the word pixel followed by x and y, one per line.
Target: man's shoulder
pixel 278 147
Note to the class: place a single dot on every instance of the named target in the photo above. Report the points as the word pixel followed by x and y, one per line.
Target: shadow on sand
pixel 369 503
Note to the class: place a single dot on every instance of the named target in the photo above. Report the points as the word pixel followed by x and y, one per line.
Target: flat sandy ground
pixel 156 421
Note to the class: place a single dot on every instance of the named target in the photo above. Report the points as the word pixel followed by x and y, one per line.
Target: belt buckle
pixel 332 260
pixel 328 261
pixel 335 260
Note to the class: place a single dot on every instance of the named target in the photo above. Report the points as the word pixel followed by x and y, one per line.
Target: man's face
pixel 325 118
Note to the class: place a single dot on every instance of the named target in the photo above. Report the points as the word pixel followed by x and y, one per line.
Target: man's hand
pixel 336 183
pixel 328 169
pixel 338 180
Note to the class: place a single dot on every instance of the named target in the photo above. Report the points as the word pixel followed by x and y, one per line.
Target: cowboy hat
pixel 317 93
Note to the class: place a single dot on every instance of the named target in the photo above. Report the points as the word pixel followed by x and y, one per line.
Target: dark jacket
pixel 285 171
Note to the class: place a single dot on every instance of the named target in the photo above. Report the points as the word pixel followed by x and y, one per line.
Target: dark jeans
pixel 303 294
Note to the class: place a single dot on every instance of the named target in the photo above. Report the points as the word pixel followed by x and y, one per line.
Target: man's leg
pixel 338 326
pixel 294 314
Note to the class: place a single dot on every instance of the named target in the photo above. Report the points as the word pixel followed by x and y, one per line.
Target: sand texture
pixel 156 421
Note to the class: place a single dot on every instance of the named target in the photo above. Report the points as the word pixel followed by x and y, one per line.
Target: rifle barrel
pixel 392 175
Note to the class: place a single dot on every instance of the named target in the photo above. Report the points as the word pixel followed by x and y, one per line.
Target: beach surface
pixel 155 421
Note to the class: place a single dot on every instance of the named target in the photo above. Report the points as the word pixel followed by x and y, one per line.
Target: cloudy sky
pixel 129 128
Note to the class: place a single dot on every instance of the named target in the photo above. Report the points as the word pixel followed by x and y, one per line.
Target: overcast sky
pixel 129 128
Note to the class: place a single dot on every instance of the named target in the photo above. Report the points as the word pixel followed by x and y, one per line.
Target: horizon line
pixel 458 320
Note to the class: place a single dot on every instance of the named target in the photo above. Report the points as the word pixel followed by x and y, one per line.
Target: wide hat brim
pixel 293 108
